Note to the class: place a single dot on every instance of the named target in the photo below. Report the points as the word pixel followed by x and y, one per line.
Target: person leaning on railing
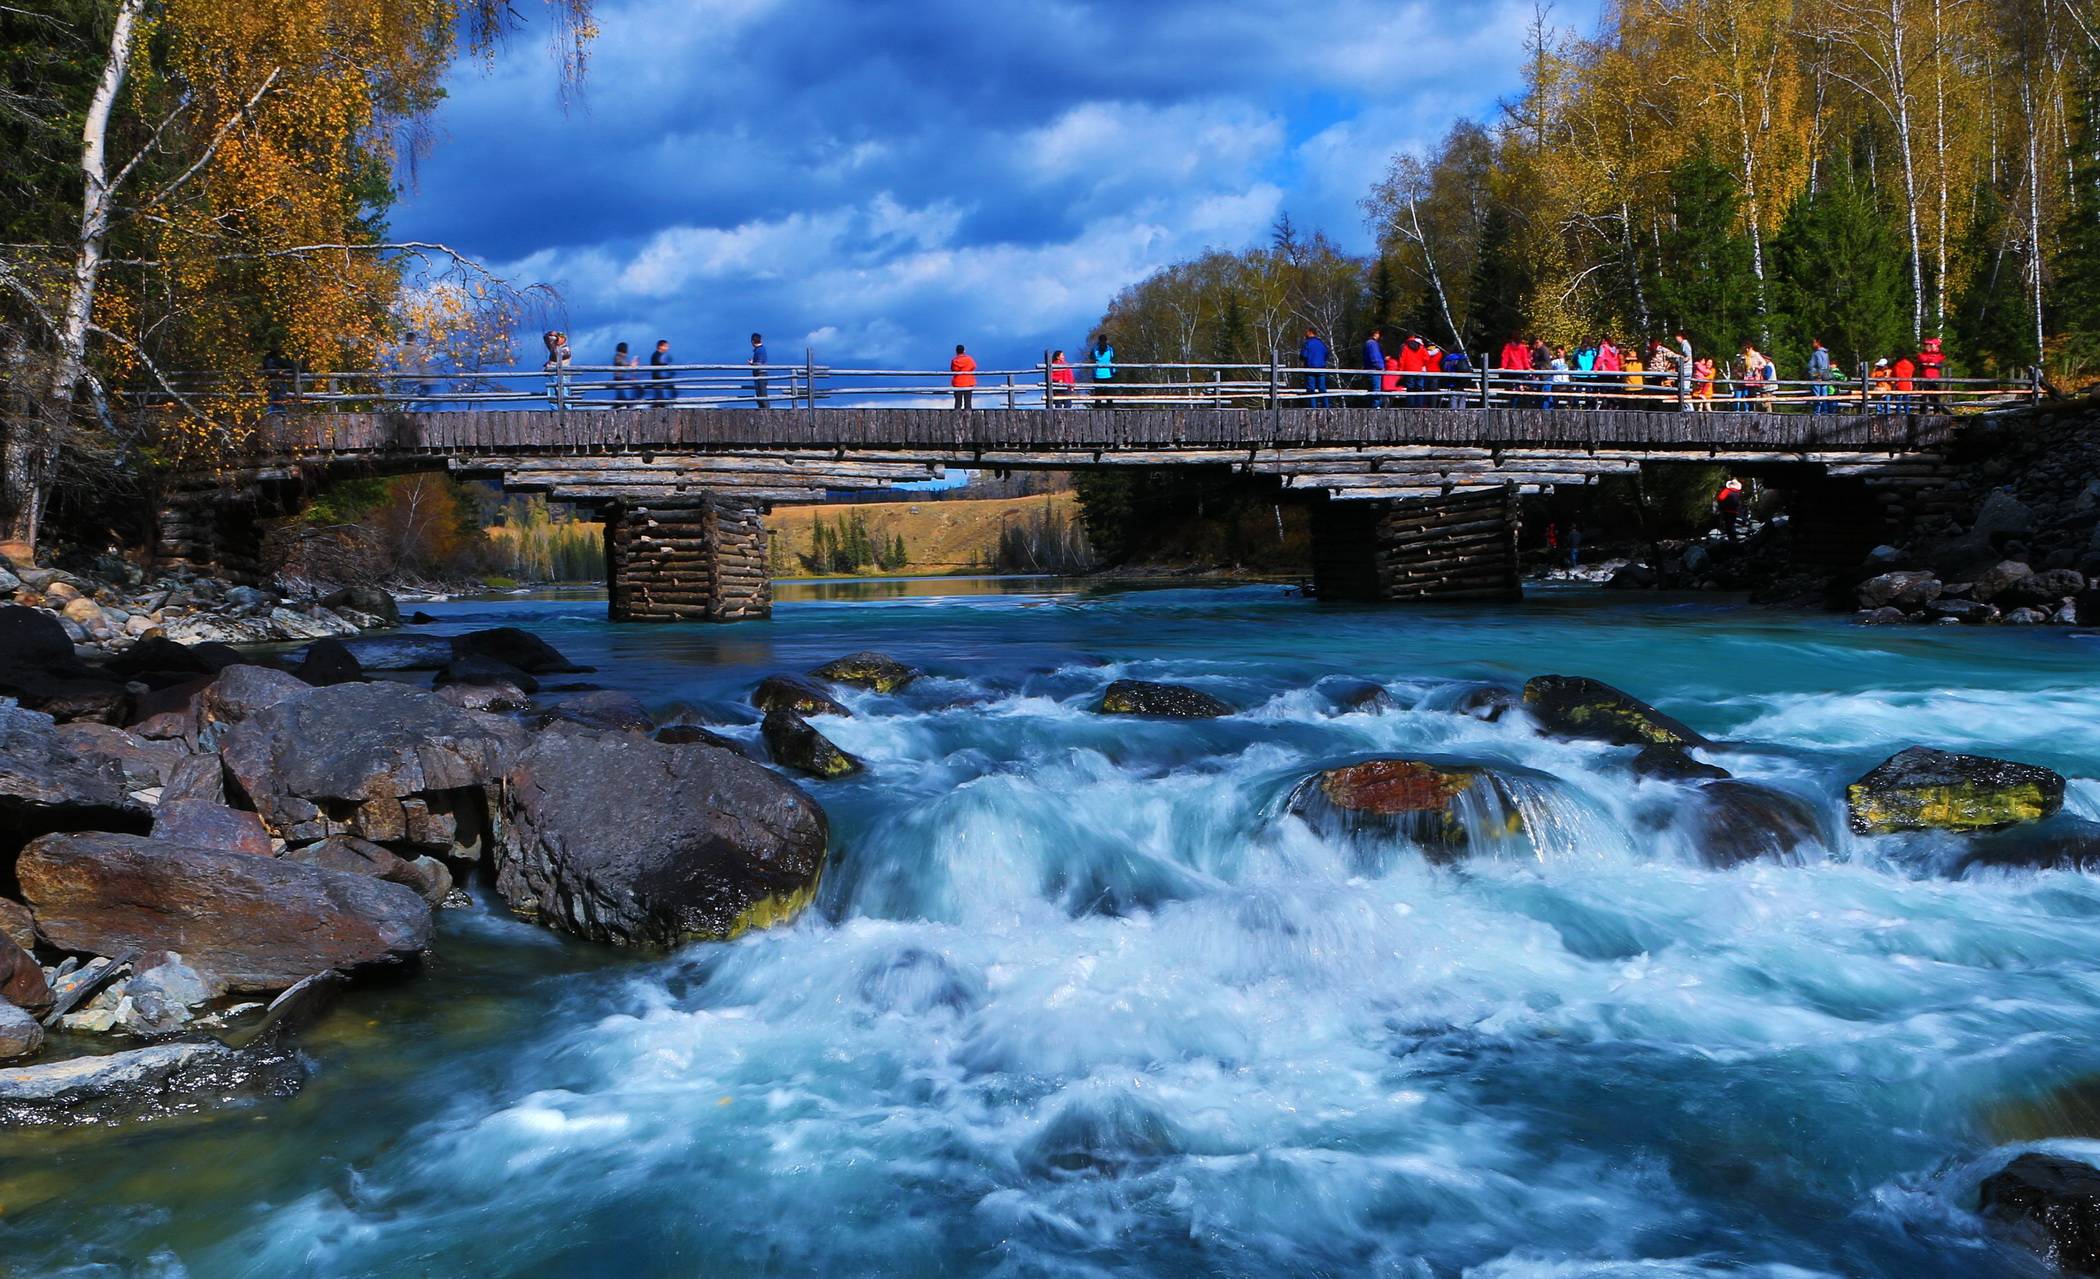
pixel 1060 379
pixel 557 366
pixel 1104 361
pixel 1312 356
pixel 962 376
pixel 1820 370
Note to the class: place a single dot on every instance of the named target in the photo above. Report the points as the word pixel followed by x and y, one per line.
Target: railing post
pixel 1865 403
pixel 1009 390
pixel 809 385
pixel 1483 381
pixel 1217 392
pixel 1272 379
pixel 2034 384
pixel 1049 385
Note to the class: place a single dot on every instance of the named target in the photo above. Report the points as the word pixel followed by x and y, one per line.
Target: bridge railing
pixel 810 386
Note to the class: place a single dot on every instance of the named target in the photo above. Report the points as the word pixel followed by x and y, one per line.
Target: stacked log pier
pixel 690 560
pixel 212 531
pixel 1460 546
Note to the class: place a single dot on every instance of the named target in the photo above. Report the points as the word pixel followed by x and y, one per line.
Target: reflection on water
pixel 894 588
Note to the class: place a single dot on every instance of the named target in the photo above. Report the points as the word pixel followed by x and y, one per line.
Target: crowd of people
pixel 1605 373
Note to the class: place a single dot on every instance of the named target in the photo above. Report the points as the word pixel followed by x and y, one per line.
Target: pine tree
pixel 2073 313
pixel 1703 281
pixel 1839 262
pixel 1993 323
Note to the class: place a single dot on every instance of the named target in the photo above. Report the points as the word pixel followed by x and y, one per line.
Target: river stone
pixel 1575 706
pixel 1407 799
pixel 1881 617
pixel 1909 591
pixel 785 692
pixel 142 762
pixel 43 787
pixel 795 744
pixel 200 823
pixel 618 838
pixel 2025 617
pixel 1735 821
pixel 328 662
pixel 695 735
pixel 1998 579
pixel 878 672
pixel 156 658
pixel 370 600
pixel 259 923
pixel 483 670
pixel 142 1080
pixel 1674 764
pixel 239 694
pixel 489 698
pixel 1972 612
pixel 65 696
pixel 20 1034
pixel 515 647
pixel 198 777
pixel 30 637
pixel 1926 789
pixel 426 875
pixel 22 979
pixel 351 758
pixel 1163 701
pixel 1364 698
pixel 2061 842
pixel 2049 1205
pixel 2045 589
pixel 399 652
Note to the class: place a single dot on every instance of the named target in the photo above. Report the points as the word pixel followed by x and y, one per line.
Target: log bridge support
pixel 1461 546
pixel 691 560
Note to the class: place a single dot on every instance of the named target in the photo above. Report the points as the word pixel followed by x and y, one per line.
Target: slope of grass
pixel 957 536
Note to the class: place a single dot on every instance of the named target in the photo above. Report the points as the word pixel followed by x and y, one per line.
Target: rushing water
pixel 1077 1000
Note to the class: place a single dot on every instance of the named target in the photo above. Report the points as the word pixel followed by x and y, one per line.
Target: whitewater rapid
pixel 1078 997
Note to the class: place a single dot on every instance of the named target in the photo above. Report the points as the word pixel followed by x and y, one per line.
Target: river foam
pixel 1080 997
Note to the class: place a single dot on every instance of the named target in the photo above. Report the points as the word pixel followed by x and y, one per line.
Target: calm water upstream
pixel 1076 1000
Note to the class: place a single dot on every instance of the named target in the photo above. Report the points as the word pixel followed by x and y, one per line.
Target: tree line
pixel 848 546
pixel 203 186
pixel 1866 172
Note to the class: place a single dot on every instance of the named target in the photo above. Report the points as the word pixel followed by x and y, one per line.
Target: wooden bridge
pixel 1409 503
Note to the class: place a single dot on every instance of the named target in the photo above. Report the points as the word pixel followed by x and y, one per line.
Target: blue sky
pixel 883 180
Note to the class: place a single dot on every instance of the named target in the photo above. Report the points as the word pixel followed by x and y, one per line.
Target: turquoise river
pixel 1078 999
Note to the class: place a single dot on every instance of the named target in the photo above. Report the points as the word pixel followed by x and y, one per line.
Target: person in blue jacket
pixel 1104 360
pixel 758 370
pixel 1455 362
pixel 1374 366
pixel 1312 356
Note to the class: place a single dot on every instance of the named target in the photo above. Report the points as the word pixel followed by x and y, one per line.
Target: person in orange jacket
pixel 1392 374
pixel 962 372
pixel 1516 354
pixel 1061 381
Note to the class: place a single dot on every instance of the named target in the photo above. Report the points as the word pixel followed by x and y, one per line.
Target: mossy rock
pixel 877 672
pixel 1577 707
pixel 1162 701
pixel 1404 799
pixel 1926 789
pixel 796 745
pixel 785 692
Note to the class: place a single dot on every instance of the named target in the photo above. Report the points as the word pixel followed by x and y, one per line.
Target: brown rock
pixel 258 922
pixel 203 824
pixel 21 980
pixel 143 762
pixel 354 856
pixel 17 925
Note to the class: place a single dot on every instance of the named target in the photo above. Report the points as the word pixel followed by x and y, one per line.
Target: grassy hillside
pixel 955 536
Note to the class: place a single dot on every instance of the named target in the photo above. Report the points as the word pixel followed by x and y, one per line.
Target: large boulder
pixel 369 600
pixel 785 692
pixel 2049 1205
pixel 258 923
pixel 1909 591
pixel 158 655
pixel 381 761
pixel 519 648
pixel 2045 589
pixel 17 924
pixel 794 744
pixel 238 695
pixel 1578 707
pixel 44 787
pixel 2061 842
pixel 602 708
pixel 877 672
pixel 30 637
pixel 1674 764
pixel 621 839
pixel 1998 579
pixel 1435 807
pixel 1160 701
pixel 1926 789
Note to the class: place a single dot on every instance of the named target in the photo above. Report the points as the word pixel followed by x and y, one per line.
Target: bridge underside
pixel 1409 505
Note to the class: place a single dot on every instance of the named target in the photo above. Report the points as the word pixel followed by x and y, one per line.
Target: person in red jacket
pixel 1516 354
pixel 1392 374
pixel 1061 381
pixel 962 372
pixel 1932 366
pixel 1905 370
pixel 1411 367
